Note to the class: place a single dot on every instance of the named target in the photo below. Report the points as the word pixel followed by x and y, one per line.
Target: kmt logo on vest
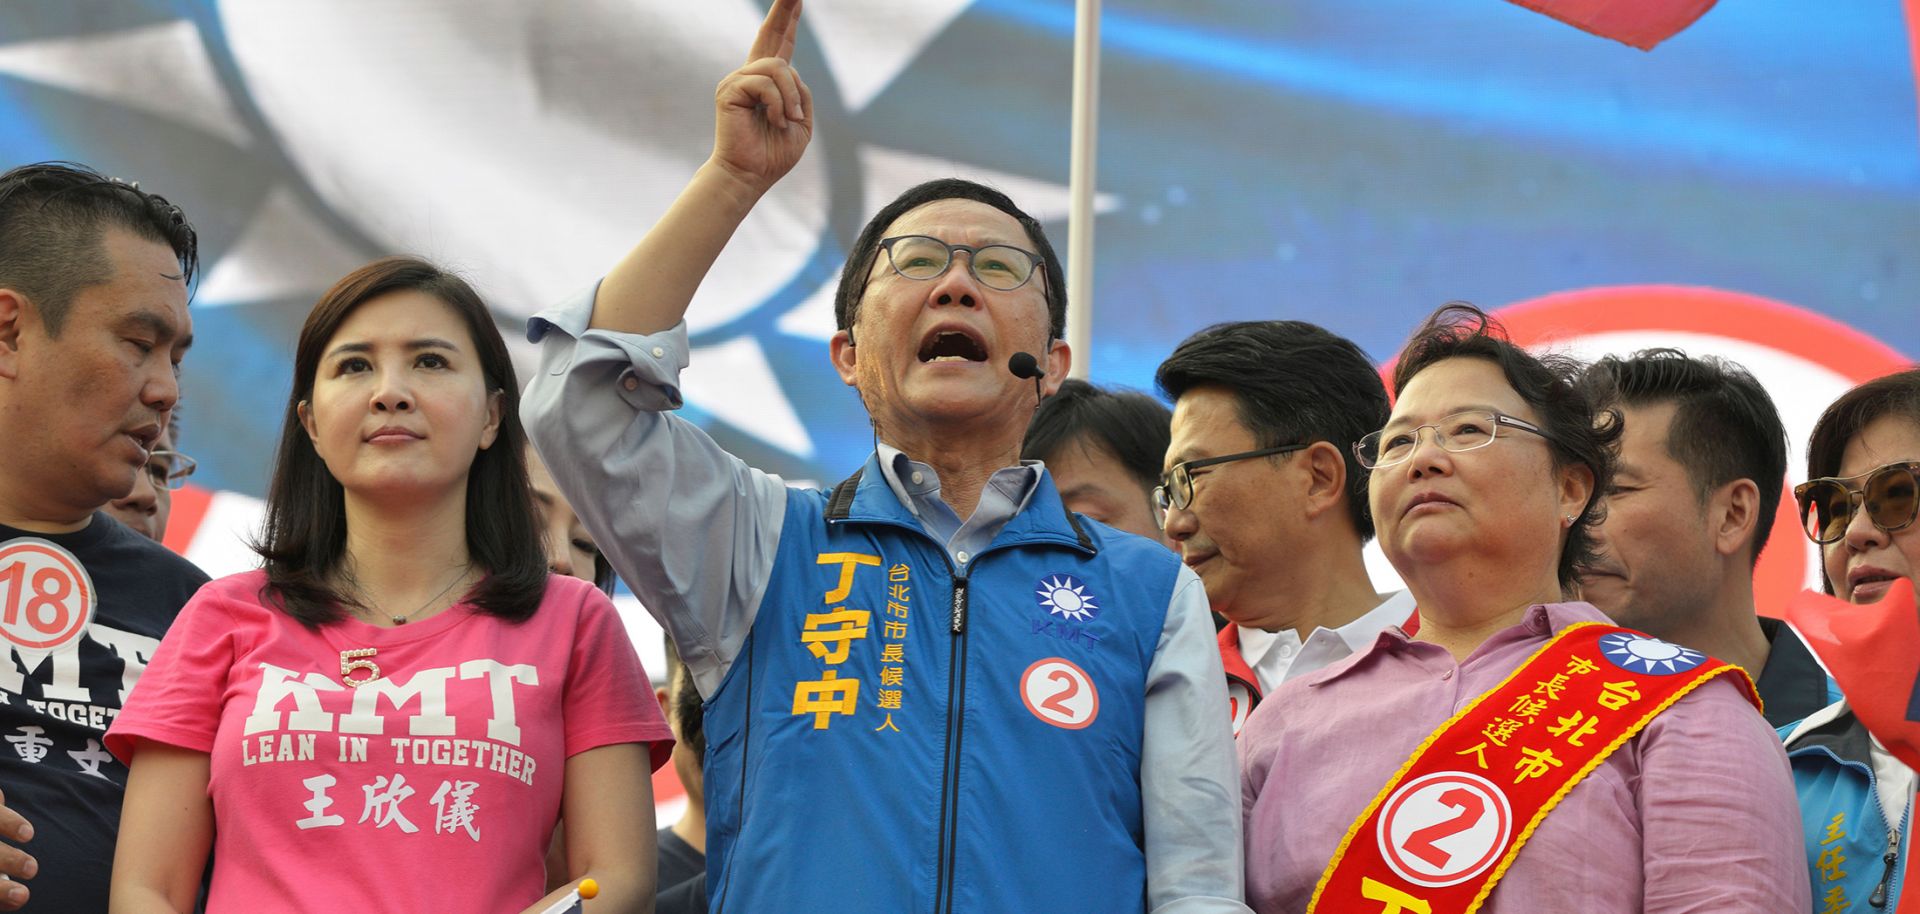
pixel 1637 653
pixel 46 597
pixel 1066 596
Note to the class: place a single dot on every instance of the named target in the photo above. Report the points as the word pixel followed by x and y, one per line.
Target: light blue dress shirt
pixel 694 530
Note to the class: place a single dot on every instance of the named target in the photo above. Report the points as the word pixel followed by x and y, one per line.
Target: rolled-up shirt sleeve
pixel 1189 779
pixel 1718 811
pixel 691 528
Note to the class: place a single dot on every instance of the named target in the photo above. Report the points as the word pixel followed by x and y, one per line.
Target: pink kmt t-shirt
pixel 434 787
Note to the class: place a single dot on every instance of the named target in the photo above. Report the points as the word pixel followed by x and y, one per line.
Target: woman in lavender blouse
pixel 1485 486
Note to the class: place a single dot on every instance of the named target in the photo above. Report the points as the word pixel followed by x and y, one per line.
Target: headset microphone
pixel 1024 365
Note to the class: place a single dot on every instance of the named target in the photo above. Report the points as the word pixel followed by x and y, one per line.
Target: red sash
pixel 1445 829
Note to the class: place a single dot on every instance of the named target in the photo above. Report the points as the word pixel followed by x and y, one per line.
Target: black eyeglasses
pixel 169 469
pixel 1462 431
pixel 996 266
pixel 1891 496
pixel 1176 485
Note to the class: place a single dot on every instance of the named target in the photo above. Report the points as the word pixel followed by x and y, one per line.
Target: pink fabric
pixel 1695 814
pixel 324 795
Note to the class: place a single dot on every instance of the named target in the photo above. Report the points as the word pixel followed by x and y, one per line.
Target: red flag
pixel 1873 651
pixel 1640 23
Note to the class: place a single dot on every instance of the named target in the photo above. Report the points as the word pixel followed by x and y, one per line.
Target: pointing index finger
pixel 776 35
pixel 792 32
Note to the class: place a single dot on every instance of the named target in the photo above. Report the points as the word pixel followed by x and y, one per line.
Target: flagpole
pixel 1082 156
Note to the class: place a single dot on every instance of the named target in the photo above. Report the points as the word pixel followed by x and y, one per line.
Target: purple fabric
pixel 1695 814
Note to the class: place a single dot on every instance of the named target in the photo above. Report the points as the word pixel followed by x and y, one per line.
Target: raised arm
pixel 762 122
pixel 690 527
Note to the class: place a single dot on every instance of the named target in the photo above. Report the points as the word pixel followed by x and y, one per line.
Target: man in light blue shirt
pixel 934 687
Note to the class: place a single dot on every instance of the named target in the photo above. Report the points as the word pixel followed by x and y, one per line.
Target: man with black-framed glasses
pixel 931 687
pixel 1265 498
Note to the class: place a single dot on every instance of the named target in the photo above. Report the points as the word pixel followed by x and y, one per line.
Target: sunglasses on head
pixel 1890 494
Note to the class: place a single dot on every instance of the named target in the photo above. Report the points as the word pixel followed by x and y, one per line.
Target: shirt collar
pixel 1255 643
pixel 914 481
pixel 1541 620
pixel 1791 683
pixel 1391 612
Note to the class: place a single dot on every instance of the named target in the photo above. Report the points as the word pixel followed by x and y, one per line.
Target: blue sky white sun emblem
pixel 1066 596
pixel 1637 653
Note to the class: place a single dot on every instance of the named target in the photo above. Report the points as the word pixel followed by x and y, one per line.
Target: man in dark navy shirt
pixel 1703 465
pixel 93 323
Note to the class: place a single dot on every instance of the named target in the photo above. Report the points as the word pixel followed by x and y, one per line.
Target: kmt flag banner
pixel 1873 651
pixel 1640 23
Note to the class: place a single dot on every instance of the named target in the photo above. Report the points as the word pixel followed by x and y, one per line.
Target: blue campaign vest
pixel 863 756
pixel 1848 836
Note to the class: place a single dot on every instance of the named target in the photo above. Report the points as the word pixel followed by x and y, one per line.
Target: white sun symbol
pixel 1627 650
pixel 1066 597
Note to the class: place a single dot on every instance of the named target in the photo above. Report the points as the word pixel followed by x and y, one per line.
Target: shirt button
pixel 962 557
pixel 918 477
pixel 630 382
pixel 659 352
pixel 1446 676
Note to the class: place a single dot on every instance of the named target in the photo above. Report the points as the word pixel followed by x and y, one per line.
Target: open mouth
pixel 952 346
pixel 1870 579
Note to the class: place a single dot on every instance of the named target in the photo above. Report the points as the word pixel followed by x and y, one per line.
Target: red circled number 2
pixel 1069 687
pixel 1060 693
pixel 1421 842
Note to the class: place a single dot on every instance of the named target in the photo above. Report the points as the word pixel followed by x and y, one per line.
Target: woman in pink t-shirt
pixel 394 713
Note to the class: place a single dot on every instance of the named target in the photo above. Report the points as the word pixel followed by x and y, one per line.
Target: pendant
pixel 399 620
pixel 358 660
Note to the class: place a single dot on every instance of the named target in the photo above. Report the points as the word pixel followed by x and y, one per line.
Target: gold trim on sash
pixel 1589 669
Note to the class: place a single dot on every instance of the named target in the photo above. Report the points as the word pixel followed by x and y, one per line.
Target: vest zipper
pixel 1879 897
pixel 950 764
pixel 746 753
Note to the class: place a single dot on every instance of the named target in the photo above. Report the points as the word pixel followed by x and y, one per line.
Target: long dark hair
pixel 1579 433
pixel 305 536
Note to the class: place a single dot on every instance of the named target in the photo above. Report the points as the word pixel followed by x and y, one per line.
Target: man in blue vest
pixel 931 688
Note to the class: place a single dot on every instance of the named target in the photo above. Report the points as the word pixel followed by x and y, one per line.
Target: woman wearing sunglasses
pixel 1859 505
pixel 1520 750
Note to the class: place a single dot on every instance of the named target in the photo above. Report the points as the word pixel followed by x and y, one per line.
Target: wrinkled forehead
pixel 1464 384
pixel 961 221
